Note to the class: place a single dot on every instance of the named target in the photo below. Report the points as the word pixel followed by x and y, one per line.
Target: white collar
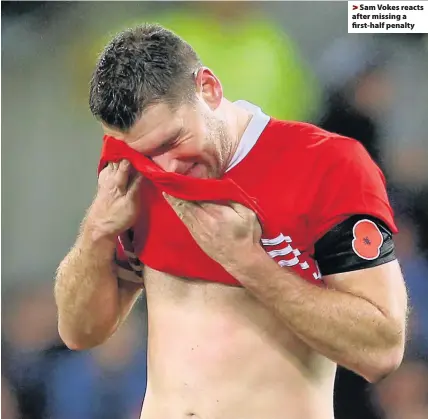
pixel 251 134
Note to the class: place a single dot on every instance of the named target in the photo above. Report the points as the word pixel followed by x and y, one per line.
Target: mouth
pixel 195 170
pixel 186 173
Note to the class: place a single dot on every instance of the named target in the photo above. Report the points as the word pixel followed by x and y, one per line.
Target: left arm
pixel 358 321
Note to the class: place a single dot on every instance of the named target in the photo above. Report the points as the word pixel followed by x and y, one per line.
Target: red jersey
pixel 299 179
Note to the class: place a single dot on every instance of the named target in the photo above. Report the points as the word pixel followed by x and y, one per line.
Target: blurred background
pixel 300 63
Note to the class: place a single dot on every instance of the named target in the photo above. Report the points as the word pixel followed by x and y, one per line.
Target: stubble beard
pixel 222 147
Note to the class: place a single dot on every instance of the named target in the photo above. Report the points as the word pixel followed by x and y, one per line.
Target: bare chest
pixel 205 312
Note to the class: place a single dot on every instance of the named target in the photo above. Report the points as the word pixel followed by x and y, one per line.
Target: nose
pixel 166 162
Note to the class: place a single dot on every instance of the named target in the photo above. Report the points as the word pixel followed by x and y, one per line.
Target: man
pixel 240 323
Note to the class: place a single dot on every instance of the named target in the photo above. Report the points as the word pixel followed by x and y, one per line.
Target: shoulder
pixel 313 139
pixel 314 151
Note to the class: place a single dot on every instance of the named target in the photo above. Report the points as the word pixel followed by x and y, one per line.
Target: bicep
pixel 382 285
pixel 357 257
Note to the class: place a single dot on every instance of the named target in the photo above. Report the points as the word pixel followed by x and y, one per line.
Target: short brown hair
pixel 139 67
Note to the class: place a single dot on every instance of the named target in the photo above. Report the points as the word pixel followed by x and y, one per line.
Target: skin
pixel 268 349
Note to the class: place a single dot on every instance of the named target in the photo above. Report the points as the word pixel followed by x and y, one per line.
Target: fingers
pixel 178 205
pixel 122 170
pixel 189 212
pixel 117 175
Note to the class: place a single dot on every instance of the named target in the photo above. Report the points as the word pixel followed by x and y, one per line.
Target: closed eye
pixel 169 143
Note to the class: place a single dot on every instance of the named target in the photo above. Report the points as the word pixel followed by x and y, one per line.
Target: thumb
pixel 240 209
pixel 245 213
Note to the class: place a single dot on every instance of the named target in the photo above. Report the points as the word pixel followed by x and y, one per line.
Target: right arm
pixel 92 301
pixel 91 297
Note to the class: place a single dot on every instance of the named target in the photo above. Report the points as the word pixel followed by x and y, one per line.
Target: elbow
pixel 75 342
pixel 75 345
pixel 81 341
pixel 386 364
pixel 386 361
pixel 388 355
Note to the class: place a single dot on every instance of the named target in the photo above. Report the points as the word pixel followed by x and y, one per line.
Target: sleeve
pixel 359 242
pixel 349 183
pixel 128 266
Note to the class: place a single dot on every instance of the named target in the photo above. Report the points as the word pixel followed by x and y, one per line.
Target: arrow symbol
pixel 354 7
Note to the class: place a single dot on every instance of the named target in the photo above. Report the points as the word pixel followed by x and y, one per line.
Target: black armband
pixel 359 242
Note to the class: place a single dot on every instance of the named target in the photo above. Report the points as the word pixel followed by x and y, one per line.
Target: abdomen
pixel 215 352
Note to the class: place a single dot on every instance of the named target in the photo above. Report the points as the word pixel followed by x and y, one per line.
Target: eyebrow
pixel 170 139
pixel 173 136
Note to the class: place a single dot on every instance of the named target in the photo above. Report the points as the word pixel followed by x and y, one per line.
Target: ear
pixel 208 87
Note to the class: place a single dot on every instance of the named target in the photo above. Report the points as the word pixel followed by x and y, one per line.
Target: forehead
pixel 157 123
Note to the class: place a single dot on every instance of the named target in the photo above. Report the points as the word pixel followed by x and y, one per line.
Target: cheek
pixel 199 128
pixel 195 144
pixel 200 137
pixel 198 144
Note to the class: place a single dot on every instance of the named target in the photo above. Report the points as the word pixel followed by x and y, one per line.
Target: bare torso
pixel 214 352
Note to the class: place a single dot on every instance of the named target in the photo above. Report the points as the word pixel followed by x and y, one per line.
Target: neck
pixel 237 121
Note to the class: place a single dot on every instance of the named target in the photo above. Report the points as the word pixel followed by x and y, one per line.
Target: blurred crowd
pixel 371 88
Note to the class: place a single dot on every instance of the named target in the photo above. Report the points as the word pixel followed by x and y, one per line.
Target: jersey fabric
pixel 127 264
pixel 299 179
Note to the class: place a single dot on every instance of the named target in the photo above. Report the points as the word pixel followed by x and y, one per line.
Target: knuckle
pixel 212 225
pixel 124 164
pixel 251 215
